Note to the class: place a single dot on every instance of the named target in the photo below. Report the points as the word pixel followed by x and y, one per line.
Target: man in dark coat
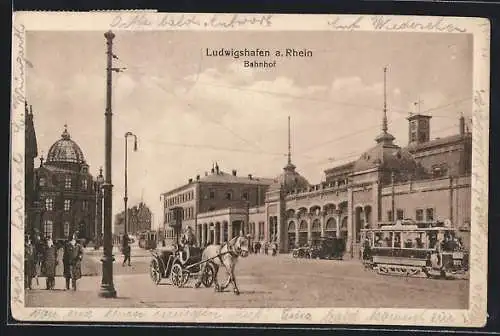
pixel 72 262
pixel 49 264
pixel 126 250
pixel 29 262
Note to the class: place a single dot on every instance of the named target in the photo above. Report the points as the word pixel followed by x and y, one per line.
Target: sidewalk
pixel 86 295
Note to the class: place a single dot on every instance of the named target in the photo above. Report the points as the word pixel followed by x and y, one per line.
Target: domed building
pixel 67 192
pixel 289 180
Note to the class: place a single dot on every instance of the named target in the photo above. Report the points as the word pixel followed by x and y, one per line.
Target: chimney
pixel 190 180
pixel 250 176
pixel 234 172
pixel 217 168
pixel 197 177
pixel 462 125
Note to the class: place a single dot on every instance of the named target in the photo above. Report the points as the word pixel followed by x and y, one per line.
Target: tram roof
pixel 412 226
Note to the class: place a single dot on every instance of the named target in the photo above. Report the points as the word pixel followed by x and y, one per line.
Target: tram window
pixel 388 239
pixel 397 239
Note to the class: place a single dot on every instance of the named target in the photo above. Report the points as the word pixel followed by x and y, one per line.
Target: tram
pixel 408 248
pixel 148 240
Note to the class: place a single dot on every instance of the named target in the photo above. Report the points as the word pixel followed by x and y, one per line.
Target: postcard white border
pixel 475 316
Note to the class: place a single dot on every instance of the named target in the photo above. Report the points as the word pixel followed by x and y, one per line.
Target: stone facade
pixel 428 180
pixel 209 194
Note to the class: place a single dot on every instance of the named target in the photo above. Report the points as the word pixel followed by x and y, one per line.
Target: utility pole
pixel 107 287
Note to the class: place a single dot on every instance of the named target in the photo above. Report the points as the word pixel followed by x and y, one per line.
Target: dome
pixel 290 180
pixel 65 150
pixel 387 156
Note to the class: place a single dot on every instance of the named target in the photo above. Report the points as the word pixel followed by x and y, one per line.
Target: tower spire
pixel 290 166
pixel 384 119
pixel 385 137
pixel 289 143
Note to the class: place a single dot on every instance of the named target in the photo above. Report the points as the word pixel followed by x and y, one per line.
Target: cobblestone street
pixel 264 281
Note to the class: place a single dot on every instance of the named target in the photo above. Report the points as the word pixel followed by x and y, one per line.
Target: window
pixel 413 125
pixel 42 182
pixel 419 215
pixel 261 230
pixel 389 216
pixel 429 214
pixel 85 205
pixel 229 195
pixel 212 194
pixel 67 205
pixel 400 214
pixel 66 229
pixel 244 196
pixel 84 184
pixel 48 228
pixel 49 204
pixel 67 182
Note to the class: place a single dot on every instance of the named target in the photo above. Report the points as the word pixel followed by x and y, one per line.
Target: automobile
pixel 327 248
pixel 301 252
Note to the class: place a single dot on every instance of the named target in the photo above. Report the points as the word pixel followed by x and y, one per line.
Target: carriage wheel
pixel 154 272
pixel 176 275
pixel 208 276
pixel 185 277
pixel 295 254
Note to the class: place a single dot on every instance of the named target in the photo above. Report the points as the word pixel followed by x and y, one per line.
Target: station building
pixel 426 180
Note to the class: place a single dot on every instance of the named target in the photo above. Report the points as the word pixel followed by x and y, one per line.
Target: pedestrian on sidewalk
pixel 126 250
pixel 72 261
pixel 49 264
pixel 29 262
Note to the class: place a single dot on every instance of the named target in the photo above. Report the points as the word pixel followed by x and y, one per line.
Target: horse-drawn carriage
pixel 179 266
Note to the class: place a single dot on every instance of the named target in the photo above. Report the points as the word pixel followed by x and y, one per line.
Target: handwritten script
pixel 396 24
pixel 18 92
pixel 144 20
pixel 348 24
pixel 17 282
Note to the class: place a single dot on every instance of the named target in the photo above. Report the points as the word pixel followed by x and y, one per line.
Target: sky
pixel 189 110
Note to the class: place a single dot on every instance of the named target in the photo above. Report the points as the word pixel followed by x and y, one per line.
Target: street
pixel 264 281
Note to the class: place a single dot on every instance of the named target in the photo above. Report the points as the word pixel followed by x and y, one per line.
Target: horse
pixel 227 256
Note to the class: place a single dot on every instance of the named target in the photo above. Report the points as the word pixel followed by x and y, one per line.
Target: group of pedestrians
pixel 41 259
pixel 259 247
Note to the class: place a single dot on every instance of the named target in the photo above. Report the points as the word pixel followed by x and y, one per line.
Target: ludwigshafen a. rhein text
pixel 258 57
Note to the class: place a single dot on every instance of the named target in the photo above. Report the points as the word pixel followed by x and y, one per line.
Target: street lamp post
pixel 98 208
pixel 107 287
pixel 125 198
